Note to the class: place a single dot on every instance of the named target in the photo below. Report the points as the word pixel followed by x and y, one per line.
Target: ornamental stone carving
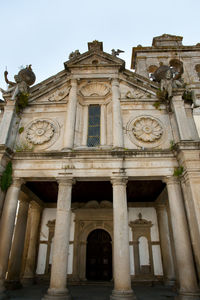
pixel 40 131
pixel 95 89
pixel 145 131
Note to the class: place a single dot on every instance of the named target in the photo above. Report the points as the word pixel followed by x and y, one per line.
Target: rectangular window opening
pixel 93 126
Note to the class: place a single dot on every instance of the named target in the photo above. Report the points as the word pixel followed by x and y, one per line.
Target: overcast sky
pixel 44 32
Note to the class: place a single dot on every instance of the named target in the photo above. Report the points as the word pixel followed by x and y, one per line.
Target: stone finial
pixel 167 40
pixel 95 46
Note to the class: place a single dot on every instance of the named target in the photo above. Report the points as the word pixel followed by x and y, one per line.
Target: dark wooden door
pixel 99 256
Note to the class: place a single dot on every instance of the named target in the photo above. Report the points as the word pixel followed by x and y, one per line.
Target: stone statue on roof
pixel 23 80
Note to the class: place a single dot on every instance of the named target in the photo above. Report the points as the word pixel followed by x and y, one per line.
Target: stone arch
pixel 84 229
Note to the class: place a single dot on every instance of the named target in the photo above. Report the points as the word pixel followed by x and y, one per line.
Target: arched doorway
pixel 99 255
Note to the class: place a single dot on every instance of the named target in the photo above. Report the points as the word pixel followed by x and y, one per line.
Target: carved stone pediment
pixel 95 89
pixel 95 59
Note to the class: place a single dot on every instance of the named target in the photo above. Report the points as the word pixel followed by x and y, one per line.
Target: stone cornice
pixel 87 153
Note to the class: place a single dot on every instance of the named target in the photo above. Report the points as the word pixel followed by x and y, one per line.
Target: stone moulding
pixel 145 131
pixel 95 89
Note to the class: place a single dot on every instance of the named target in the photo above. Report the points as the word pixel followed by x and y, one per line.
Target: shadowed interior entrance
pixel 99 255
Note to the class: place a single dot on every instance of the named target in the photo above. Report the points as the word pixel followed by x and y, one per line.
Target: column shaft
pixel 7 228
pixel 165 242
pixel 122 279
pixel 184 258
pixel 30 265
pixel 14 266
pixel 71 116
pixel 118 138
pixel 58 289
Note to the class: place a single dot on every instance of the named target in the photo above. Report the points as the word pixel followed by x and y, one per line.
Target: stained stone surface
pixel 94 292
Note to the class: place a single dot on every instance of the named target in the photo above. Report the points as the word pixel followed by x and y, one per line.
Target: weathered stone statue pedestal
pixel 123 295
pixel 57 295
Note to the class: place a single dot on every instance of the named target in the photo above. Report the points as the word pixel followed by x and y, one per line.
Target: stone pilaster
pixel 188 288
pixel 17 248
pixel 58 289
pixel 118 137
pixel 122 280
pixel 181 117
pixel 6 122
pixel 71 116
pixel 7 228
pixel 30 264
pixel 165 243
pixel 103 125
pixel 85 126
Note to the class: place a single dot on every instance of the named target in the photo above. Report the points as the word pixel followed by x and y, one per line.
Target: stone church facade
pixel 105 173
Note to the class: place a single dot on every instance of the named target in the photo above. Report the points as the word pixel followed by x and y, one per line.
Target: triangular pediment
pixel 94 59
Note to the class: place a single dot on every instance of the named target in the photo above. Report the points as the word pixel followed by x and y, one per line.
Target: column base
pixel 57 295
pixel 123 295
pixel 188 296
pixel 27 281
pixel 169 282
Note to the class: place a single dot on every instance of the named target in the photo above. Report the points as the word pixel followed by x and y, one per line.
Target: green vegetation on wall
pixel 6 178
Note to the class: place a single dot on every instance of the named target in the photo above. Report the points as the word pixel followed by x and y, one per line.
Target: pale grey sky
pixel 44 32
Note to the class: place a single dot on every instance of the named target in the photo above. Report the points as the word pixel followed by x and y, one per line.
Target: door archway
pixel 99 256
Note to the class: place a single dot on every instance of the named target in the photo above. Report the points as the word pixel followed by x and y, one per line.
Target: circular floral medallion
pixel 146 131
pixel 40 132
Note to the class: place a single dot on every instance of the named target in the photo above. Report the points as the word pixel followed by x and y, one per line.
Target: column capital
pixel 160 207
pixel 17 182
pixel 35 205
pixel 171 180
pixel 73 82
pixel 115 82
pixel 119 180
pixel 64 181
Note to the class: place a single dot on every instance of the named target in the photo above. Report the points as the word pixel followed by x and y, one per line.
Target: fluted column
pixel 118 138
pixel 122 280
pixel 165 243
pixel 30 264
pixel 58 289
pixel 188 288
pixel 7 228
pixel 17 248
pixel 71 116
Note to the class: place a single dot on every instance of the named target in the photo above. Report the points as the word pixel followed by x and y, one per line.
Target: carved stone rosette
pixel 41 133
pixel 145 131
